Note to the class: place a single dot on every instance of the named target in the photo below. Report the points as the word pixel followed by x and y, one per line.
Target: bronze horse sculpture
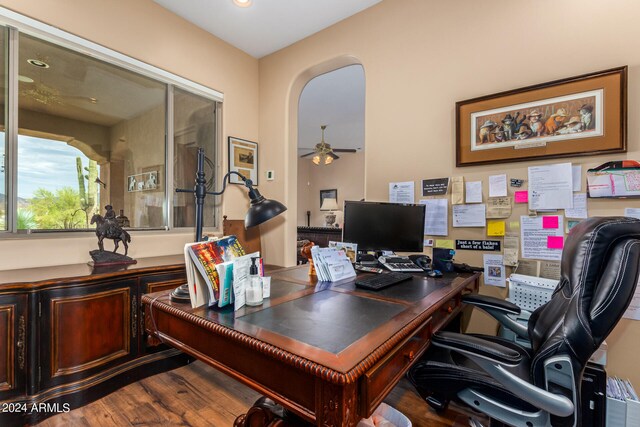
pixel 111 230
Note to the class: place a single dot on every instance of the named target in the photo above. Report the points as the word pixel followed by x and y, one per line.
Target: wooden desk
pixel 329 352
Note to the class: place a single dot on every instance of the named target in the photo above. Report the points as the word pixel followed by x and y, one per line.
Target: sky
pixel 44 163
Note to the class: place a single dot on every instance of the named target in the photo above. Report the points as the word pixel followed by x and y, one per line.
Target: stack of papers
pixel 332 264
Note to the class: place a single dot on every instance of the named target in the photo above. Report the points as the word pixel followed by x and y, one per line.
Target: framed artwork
pixel 578 116
pixel 243 158
pixel 328 194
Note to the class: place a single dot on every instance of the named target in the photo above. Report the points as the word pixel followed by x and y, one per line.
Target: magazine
pixel 203 276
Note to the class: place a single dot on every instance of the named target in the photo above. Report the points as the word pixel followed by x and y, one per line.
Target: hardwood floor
pixel 198 396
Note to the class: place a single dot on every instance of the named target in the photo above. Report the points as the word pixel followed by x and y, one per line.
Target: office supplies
pixel 381 281
pixel 398 263
pixel 368 269
pixel 422 261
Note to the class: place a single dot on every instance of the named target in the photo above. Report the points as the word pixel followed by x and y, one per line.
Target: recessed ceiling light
pixel 25 79
pixel 93 100
pixel 38 63
pixel 242 3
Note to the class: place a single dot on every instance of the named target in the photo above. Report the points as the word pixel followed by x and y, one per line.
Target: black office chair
pixel 540 386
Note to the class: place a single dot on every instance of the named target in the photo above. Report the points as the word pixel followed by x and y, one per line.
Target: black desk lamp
pixel 260 209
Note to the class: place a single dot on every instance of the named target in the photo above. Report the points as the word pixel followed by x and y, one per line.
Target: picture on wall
pixel 328 194
pixel 243 158
pixel 582 115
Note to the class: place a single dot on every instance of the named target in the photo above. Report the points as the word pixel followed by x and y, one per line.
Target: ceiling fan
pixel 323 153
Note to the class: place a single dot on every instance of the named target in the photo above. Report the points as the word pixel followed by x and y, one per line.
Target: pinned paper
pixel 495 228
pixel 549 222
pixel 457 190
pixel 555 242
pixel 445 244
pixel 514 225
pixel 522 196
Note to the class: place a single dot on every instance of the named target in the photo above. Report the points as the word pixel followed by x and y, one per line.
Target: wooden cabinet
pixel 13 345
pixel 68 334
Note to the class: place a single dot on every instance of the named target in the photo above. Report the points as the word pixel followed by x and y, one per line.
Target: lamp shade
pixel 329 204
pixel 261 209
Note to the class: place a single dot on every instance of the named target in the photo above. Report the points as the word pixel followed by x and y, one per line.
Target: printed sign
pixel 478 245
pixel 435 187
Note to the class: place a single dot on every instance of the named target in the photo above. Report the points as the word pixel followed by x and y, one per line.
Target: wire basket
pixel 528 292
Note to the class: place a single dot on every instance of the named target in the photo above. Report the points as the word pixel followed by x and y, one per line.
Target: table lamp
pixel 260 210
pixel 329 204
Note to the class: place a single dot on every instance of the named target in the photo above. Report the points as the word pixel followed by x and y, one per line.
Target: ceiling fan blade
pixel 308 154
pixel 345 150
pixel 334 155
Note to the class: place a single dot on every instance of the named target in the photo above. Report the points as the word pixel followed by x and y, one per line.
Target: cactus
pixel 89 193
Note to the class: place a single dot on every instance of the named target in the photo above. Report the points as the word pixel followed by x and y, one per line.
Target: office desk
pixel 329 352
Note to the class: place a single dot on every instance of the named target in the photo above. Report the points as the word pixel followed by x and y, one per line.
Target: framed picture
pixel 328 194
pixel 578 116
pixel 243 158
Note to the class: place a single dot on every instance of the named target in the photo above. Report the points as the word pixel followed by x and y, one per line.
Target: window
pixel 90 130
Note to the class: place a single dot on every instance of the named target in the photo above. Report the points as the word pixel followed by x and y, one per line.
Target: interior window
pixel 91 134
pixel 194 127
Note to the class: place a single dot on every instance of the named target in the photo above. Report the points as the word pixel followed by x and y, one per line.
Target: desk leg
pixel 336 405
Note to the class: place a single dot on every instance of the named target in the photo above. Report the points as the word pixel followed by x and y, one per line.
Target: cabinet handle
pixel 20 344
pixel 134 316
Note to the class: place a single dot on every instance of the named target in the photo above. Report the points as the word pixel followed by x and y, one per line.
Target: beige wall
pixel 146 31
pixel 345 174
pixel 419 58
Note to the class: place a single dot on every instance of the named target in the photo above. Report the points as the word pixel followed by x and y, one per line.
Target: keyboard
pixel 381 281
pixel 401 266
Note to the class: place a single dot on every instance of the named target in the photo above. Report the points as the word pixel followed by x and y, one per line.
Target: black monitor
pixel 377 226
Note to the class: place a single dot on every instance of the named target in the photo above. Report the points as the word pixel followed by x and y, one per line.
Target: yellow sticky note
pixel 514 225
pixel 495 228
pixel 446 244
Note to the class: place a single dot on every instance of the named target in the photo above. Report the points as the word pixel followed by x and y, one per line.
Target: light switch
pixel 270 175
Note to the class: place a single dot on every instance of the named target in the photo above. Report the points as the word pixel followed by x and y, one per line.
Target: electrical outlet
pixel 270 175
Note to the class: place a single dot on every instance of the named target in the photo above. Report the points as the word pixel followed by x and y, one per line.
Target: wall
pixel 419 58
pixel 173 45
pixel 345 174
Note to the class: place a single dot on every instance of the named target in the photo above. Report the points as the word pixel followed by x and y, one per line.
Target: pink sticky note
pixel 522 196
pixel 549 222
pixel 555 242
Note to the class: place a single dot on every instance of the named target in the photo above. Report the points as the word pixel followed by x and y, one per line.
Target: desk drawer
pixel 443 314
pixel 382 377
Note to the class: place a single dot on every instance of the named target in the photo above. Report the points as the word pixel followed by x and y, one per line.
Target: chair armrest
pixel 500 310
pixel 471 345
pixel 488 356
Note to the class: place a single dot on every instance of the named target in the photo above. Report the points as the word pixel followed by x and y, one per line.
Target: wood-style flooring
pixel 199 396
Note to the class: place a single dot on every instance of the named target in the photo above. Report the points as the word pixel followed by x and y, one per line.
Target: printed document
pixel 457 190
pixel 579 209
pixel 493 270
pixel 473 192
pixel 499 207
pixel 550 187
pixel 511 249
pixel 401 192
pixel 436 217
pixel 498 185
pixel 534 238
pixel 469 215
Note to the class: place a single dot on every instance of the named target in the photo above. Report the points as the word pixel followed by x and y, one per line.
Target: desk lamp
pixel 260 209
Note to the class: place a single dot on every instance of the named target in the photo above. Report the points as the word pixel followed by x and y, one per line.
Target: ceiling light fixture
pixel 242 3
pixel 25 79
pixel 38 63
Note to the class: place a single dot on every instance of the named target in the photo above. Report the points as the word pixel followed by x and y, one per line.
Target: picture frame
pixel 243 158
pixel 578 116
pixel 327 194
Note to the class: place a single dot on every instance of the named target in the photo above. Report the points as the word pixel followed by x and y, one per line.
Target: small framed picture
pixel 243 158
pixel 328 194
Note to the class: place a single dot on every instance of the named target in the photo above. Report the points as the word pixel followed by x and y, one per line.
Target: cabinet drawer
pixel 381 378
pixel 443 314
pixel 162 282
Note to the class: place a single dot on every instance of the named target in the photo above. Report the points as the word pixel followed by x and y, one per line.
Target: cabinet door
pixel 13 345
pixel 86 330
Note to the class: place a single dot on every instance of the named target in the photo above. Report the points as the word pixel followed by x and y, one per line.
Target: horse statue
pixel 111 230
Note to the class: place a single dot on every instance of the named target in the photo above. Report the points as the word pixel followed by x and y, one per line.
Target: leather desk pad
pixel 331 321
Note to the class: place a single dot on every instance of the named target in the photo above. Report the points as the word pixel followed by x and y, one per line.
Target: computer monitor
pixel 377 226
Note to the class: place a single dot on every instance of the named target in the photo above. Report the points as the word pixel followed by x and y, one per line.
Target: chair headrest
pixel 588 243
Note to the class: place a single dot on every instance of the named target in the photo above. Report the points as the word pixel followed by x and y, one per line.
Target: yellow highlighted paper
pixel 445 244
pixel 495 228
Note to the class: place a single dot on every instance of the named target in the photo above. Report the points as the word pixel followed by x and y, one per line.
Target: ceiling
pixel 267 25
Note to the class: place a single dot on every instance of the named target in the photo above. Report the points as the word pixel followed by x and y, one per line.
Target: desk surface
pixel 317 335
